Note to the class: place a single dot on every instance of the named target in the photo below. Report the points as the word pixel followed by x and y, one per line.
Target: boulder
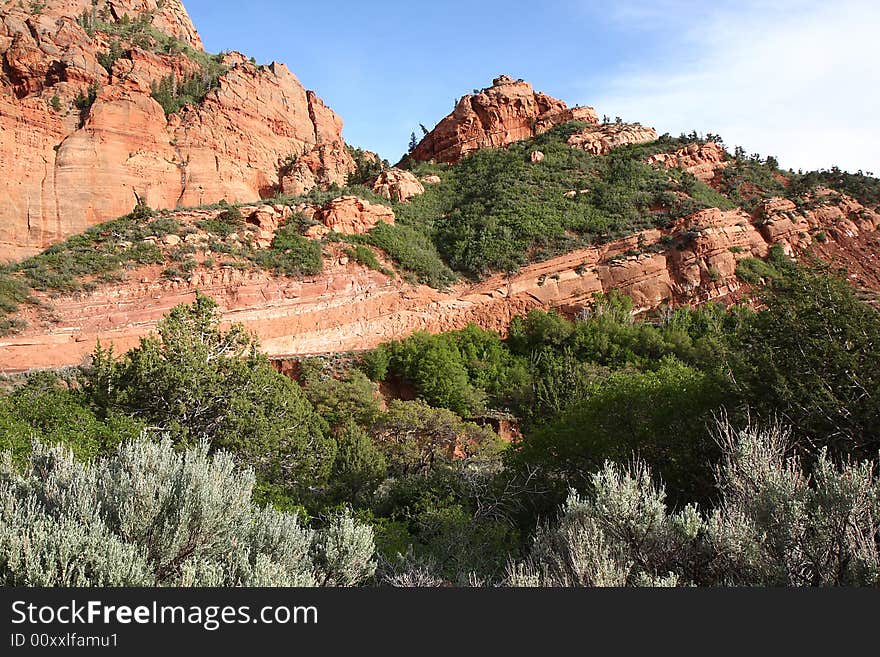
pixel 350 215
pixel 397 185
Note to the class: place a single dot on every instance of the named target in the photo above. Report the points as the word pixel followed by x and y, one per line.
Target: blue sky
pixel 798 79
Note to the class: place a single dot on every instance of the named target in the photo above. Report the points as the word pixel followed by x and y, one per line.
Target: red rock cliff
pixel 65 167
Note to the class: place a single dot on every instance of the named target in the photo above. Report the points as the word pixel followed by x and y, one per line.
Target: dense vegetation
pixel 661 441
pixel 496 210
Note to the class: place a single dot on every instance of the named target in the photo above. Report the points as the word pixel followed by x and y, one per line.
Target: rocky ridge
pixel 703 161
pixel 602 139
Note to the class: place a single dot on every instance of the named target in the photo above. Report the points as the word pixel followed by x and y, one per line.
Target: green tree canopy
pixel 198 381
pixel 813 357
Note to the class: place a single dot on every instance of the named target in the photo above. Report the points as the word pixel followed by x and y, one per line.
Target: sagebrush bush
pixel 775 525
pixel 150 515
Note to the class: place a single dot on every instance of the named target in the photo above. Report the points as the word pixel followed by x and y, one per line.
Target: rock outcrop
pixel 350 215
pixel 398 185
pixel 602 139
pixel 80 144
pixel 704 161
pixel 507 112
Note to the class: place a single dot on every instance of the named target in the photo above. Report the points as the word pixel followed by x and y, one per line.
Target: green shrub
pixel 812 356
pixel 865 188
pixel 366 167
pixel 366 257
pixel 415 438
pixel 376 363
pixel 195 382
pixel 46 408
pixel 107 59
pixel 353 398
pixel 435 367
pixel 359 467
pixel 13 292
pixel 291 254
pixel 756 271
pixel 747 182
pixel 412 251
pixel 224 224
pixel 660 416
pixel 84 101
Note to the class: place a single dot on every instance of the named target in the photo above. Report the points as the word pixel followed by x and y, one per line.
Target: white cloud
pixel 799 80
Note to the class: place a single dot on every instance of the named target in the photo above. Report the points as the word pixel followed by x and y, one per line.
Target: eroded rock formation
pixel 80 144
pixel 350 215
pixel 397 185
pixel 507 112
pixel 602 139
pixel 704 161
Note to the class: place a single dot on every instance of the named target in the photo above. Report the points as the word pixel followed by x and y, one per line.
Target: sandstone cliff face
pixel 65 169
pixel 350 307
pixel 507 112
